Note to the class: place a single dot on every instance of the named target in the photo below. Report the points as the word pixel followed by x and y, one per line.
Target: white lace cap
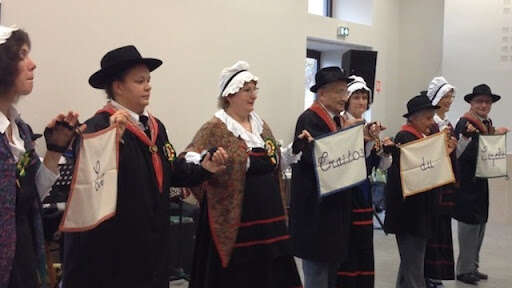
pixel 437 88
pixel 6 31
pixel 358 83
pixel 233 78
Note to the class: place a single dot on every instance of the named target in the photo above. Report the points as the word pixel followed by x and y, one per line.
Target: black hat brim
pixel 36 136
pixel 421 108
pixel 315 87
pixel 99 78
pixel 469 97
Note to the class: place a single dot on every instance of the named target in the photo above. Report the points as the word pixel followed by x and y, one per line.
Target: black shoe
pixel 481 275
pixel 468 278
pixel 433 283
pixel 430 284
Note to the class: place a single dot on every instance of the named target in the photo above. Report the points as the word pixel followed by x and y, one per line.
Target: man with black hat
pixel 131 249
pixel 410 218
pixel 320 227
pixel 472 201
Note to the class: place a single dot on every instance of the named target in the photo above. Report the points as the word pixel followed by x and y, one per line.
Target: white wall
pixel 478 51
pixel 196 39
pixel 331 58
pixel 409 50
pixel 356 11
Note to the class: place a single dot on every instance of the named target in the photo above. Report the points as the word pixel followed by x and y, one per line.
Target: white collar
pixel 251 139
pixel 439 121
pixel 349 116
pixel 135 116
pixel 4 119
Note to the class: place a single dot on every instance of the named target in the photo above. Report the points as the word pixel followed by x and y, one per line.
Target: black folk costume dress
pixel 359 269
pixel 242 239
pixel 131 249
pixel 439 259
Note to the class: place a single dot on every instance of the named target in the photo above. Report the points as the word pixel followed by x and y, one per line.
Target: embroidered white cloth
pixel 425 165
pixel 93 193
pixel 340 160
pixel 492 156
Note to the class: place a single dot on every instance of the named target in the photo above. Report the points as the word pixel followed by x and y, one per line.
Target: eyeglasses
pixel 250 90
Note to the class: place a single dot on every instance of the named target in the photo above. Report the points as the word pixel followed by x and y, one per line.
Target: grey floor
pixel 495 257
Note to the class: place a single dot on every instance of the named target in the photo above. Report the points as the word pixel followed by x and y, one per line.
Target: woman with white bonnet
pixel 24 180
pixel 242 239
pixel 439 260
pixel 358 271
pixel 441 93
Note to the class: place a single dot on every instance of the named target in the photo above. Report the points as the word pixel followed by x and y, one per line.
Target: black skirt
pixel 261 256
pixel 358 271
pixel 24 270
pixel 439 263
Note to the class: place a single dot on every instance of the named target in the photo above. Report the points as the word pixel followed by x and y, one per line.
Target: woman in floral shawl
pixel 242 238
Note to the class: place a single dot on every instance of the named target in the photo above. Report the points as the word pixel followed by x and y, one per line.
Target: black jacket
pixel 132 248
pixel 320 228
pixel 472 200
pixel 410 215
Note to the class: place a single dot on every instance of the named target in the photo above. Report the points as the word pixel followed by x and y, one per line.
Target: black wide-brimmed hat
pixel 328 75
pixel 481 89
pixel 419 103
pixel 118 60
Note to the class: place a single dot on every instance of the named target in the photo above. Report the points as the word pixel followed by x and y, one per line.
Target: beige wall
pixel 408 37
pixel 196 39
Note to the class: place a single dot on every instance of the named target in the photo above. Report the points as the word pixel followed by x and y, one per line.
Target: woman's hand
pixel 217 162
pixel 452 143
pixel 120 119
pixel 375 128
pixel 58 135
pixel 60 131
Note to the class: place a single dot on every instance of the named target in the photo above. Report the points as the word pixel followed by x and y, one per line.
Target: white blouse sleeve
pixel 288 158
pixel 45 178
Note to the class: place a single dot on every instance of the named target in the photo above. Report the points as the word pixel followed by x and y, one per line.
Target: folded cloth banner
pixel 340 160
pixel 492 156
pixel 425 164
pixel 93 193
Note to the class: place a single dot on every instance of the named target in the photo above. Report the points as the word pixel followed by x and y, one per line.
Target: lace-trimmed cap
pixel 233 78
pixel 5 32
pixel 437 88
pixel 358 83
